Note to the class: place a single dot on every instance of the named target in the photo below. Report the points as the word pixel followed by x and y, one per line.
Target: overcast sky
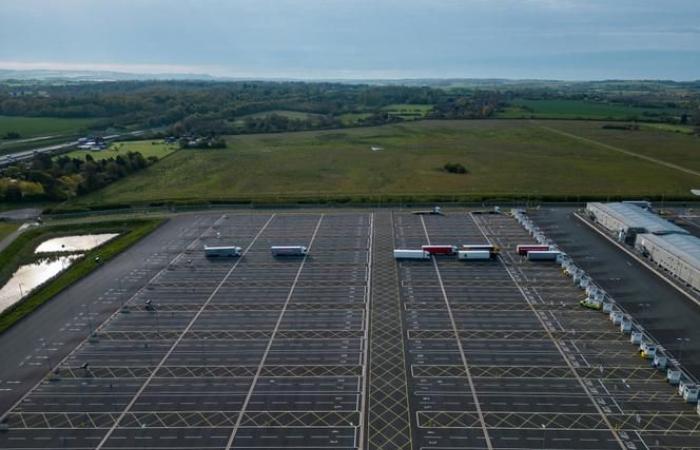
pixel 562 39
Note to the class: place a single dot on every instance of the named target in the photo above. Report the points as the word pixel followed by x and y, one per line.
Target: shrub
pixel 454 168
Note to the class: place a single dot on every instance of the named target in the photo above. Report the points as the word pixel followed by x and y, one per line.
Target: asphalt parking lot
pixel 666 313
pixel 346 348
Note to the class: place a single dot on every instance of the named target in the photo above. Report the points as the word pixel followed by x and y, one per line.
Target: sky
pixel 358 39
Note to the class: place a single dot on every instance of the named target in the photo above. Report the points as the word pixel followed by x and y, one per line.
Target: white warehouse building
pixel 627 220
pixel 677 253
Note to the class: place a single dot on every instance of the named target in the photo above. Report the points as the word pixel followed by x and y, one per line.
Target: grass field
pixel 295 115
pixel 353 118
pixel 504 158
pixel 675 148
pixel 408 111
pixel 578 109
pixel 6 228
pixel 146 148
pixel 685 129
pixel 29 127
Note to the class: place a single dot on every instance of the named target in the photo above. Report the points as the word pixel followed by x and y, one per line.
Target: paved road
pixel 663 311
pixel 47 335
pixel 11 158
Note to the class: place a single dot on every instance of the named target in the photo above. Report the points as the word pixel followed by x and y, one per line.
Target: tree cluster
pixel 208 107
pixel 454 168
pixel 49 178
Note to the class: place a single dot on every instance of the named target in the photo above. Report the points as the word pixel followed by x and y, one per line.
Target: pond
pixel 30 276
pixel 74 243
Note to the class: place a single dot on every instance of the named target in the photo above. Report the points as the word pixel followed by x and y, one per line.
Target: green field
pixel 685 129
pixel 294 115
pixel 408 111
pixel 6 228
pixel 146 148
pixel 504 158
pixel 674 148
pixel 353 118
pixel 29 127
pixel 579 109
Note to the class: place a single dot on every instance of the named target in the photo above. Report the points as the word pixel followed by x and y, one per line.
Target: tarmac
pixel 664 312
pixel 345 348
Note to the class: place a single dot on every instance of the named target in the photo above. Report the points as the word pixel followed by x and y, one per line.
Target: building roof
pixel 636 217
pixel 684 246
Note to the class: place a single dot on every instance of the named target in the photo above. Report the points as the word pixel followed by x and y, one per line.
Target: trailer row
pixel 465 252
pixel 235 251
pixel 597 299
pixel 478 252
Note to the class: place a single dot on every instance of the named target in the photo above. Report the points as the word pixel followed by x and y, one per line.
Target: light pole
pixel 544 436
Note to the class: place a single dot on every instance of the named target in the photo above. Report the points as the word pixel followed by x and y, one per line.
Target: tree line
pixel 60 178
pixel 218 107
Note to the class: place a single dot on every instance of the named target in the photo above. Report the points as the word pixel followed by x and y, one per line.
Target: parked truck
pixel 410 254
pixel 289 250
pixel 478 255
pixel 485 247
pixel 221 250
pixel 436 211
pixel 440 249
pixel 546 255
pixel 524 249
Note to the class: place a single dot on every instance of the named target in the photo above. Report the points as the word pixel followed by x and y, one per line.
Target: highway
pixel 11 158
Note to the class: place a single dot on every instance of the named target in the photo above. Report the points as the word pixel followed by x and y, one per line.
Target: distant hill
pixel 88 75
pixel 470 83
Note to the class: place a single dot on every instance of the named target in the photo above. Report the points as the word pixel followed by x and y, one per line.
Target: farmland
pixel 503 159
pixel 29 127
pixel 293 115
pixel 408 111
pixel 675 148
pixel 581 109
pixel 146 148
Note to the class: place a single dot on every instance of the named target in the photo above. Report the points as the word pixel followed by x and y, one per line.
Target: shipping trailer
pixel 221 250
pixel 524 249
pixel 483 247
pixel 436 211
pixel 440 249
pixel 410 254
pixel 289 250
pixel 474 255
pixel 548 255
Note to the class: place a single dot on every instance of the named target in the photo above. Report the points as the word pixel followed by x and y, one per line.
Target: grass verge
pixel 7 228
pixel 21 249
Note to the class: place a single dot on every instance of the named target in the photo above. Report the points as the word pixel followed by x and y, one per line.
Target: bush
pixel 12 135
pixel 454 168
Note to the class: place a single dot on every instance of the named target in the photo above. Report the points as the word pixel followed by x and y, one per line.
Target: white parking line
pixel 180 337
pixel 239 419
pixel 455 329
pixel 557 345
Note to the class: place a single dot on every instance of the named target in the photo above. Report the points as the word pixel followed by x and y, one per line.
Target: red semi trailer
pixel 440 249
pixel 523 249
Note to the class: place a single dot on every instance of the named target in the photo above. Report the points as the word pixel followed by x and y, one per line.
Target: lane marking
pixel 181 336
pixel 107 320
pixel 239 419
pixel 475 397
pixel 556 343
pixel 364 392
